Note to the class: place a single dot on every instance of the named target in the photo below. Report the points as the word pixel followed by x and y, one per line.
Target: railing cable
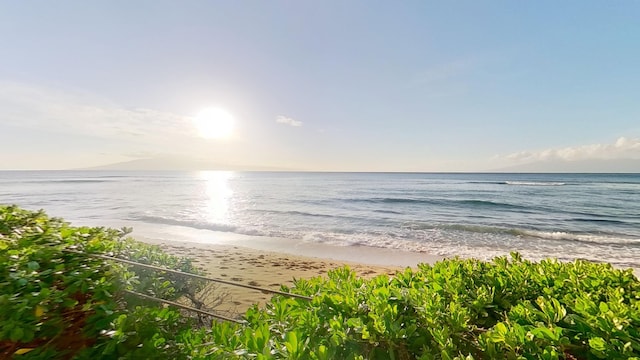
pixel 173 303
pixel 221 281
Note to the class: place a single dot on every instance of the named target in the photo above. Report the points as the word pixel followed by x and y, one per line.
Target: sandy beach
pixel 266 269
pixel 270 262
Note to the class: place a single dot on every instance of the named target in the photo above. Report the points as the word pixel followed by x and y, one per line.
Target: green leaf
pixel 322 353
pixel 603 307
pixel 598 343
pixel 544 333
pixel 291 343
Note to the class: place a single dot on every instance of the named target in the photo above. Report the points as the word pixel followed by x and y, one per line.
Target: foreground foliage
pixel 60 305
pixel 55 303
pixel 455 309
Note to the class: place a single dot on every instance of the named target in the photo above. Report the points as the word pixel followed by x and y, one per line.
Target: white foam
pixel 535 183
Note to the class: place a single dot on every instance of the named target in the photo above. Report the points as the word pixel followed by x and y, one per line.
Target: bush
pixel 455 309
pixel 59 304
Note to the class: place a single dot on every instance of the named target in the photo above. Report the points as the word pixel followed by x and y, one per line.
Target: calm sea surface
pixel 590 216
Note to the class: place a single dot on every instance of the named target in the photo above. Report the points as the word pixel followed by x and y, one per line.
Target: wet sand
pixel 270 264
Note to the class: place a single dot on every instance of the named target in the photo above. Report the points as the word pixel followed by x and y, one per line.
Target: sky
pixel 320 85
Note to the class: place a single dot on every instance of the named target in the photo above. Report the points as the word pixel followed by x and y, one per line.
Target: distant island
pixel 552 166
pixel 179 164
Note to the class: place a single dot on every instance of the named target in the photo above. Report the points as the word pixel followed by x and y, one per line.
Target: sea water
pixel 568 216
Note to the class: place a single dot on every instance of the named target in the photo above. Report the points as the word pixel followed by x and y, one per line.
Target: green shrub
pixel 59 304
pixel 455 309
pixel 55 304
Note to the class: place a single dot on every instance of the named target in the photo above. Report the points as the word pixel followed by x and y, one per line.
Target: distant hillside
pixel 555 166
pixel 579 166
pixel 178 164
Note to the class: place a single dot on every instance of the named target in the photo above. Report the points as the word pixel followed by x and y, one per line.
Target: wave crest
pixel 534 183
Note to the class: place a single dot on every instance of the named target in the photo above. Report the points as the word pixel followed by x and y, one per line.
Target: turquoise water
pixel 591 216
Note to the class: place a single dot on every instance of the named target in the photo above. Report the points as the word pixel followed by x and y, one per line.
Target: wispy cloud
pixel 622 148
pixel 38 108
pixel 288 121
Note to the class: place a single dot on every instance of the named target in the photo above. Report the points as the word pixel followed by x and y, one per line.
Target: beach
pixel 248 261
pixel 570 216
pixel 270 269
pixel 269 227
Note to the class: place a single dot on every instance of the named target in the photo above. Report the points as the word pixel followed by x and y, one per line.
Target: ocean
pixel 568 216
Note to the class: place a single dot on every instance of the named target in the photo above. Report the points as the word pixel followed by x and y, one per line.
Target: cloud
pixel 38 108
pixel 288 121
pixel 622 148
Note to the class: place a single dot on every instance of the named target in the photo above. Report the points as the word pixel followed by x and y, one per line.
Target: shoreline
pixel 261 268
pixel 268 262
pixel 385 256
pixel 180 235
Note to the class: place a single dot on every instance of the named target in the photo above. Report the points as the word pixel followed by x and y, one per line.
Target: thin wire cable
pixel 173 303
pixel 191 275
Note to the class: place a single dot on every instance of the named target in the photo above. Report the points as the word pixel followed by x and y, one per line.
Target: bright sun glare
pixel 214 123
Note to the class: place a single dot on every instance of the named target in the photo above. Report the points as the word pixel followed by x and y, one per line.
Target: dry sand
pixel 260 268
pixel 271 269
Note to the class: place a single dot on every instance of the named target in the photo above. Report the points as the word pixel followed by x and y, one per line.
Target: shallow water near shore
pixel 569 216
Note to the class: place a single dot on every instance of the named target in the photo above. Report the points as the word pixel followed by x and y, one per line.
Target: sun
pixel 214 123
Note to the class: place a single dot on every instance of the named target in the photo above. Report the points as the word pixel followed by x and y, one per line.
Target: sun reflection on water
pixel 218 195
